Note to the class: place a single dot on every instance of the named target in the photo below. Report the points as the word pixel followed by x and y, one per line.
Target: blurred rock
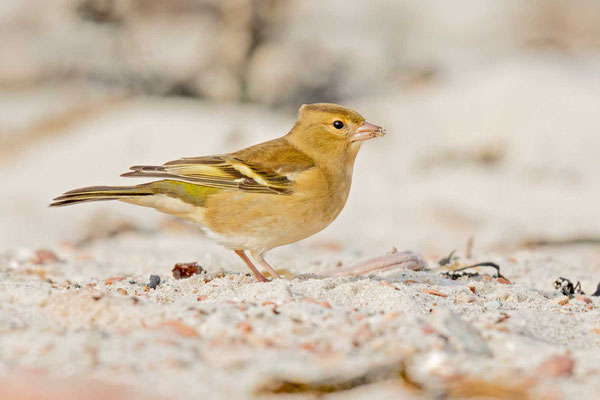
pixel 462 335
pixel 277 52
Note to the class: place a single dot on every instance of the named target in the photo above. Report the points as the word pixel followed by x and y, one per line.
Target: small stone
pixel 44 256
pixel 202 297
pixel 472 289
pixel 461 333
pixel 185 270
pixel 562 300
pixel 492 305
pixel 244 327
pixel 504 281
pixel 97 296
pixel 557 366
pixel 154 281
pixel 583 298
pixel 122 291
pixel 464 298
pixel 114 279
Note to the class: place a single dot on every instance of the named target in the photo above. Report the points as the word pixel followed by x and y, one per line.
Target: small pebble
pixel 185 270
pixel 114 279
pixel 492 305
pixel 557 366
pixel 154 281
pixel 464 298
pixel 44 256
pixel 244 327
pixel 562 300
pixel 581 297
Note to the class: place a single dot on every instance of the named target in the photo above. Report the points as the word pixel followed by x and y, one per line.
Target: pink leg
pixel 261 260
pixel 260 277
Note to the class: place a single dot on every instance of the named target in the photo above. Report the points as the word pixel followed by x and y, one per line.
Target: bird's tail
pixel 99 193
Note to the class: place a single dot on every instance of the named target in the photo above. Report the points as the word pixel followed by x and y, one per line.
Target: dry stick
pixel 482 264
pixel 583 240
pixel 469 249
pixel 407 259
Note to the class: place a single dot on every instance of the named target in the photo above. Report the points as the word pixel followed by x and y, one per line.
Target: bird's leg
pixel 260 277
pixel 261 260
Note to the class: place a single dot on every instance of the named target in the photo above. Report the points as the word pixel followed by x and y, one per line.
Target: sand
pixel 480 159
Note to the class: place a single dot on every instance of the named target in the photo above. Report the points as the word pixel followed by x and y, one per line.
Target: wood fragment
pixel 475 388
pixel 405 259
pixel 386 283
pixel 553 242
pixel 469 249
pixel 434 292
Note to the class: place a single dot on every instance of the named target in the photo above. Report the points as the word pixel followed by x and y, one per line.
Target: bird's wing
pixel 268 167
pixel 226 172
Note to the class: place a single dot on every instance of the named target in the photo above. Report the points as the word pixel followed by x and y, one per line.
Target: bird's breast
pixel 259 221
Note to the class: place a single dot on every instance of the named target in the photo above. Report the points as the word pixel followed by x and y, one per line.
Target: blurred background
pixel 492 109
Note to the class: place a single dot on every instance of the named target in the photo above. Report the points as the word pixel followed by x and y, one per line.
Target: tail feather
pixel 100 193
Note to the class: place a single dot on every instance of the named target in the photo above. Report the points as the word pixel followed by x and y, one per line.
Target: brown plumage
pixel 261 197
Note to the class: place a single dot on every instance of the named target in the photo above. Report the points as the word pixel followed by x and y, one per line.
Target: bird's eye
pixel 338 124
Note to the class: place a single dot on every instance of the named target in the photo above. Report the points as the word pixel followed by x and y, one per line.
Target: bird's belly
pixel 261 222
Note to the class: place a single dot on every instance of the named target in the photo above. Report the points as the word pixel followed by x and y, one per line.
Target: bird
pixel 261 197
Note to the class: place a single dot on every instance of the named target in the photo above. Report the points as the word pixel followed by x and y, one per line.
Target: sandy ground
pixel 506 156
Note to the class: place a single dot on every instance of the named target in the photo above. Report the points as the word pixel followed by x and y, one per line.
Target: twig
pixel 469 249
pixel 407 259
pixel 583 240
pixel 447 260
pixel 452 274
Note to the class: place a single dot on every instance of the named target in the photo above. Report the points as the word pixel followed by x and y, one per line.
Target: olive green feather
pixel 188 192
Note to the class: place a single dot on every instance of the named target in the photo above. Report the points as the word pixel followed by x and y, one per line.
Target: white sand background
pixel 508 155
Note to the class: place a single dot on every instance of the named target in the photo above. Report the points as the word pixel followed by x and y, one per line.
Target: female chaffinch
pixel 261 197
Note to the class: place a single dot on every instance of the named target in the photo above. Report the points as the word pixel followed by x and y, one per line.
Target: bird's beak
pixel 366 131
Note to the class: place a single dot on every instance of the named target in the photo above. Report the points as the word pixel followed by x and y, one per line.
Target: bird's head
pixel 331 128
